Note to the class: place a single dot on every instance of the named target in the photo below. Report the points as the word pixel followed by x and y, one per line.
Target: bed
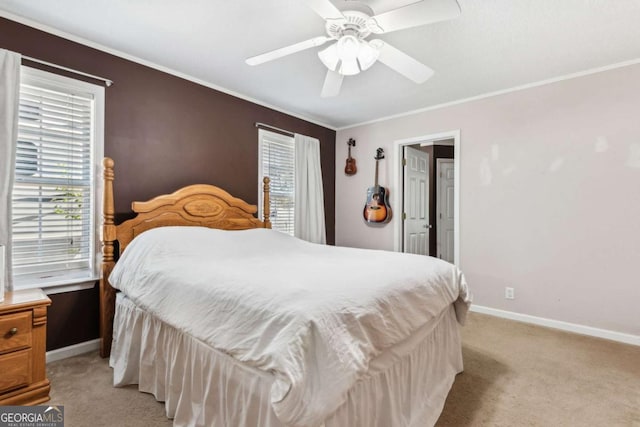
pixel 231 323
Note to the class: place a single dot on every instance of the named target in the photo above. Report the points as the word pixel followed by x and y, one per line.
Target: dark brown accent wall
pixel 163 133
pixel 73 318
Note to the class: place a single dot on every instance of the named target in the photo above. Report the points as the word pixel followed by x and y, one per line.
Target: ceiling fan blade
pixel 288 50
pixel 332 84
pixel 421 13
pixel 325 9
pixel 402 63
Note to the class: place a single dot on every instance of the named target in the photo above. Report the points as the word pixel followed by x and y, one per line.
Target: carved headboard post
pixel 107 293
pixel 266 203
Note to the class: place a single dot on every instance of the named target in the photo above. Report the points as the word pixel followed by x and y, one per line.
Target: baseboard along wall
pixel 557 324
pixel 73 350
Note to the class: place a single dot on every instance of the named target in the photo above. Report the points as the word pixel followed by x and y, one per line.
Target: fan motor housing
pixel 354 23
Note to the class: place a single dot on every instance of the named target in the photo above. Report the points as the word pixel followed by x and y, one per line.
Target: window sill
pixel 70 287
pixel 58 286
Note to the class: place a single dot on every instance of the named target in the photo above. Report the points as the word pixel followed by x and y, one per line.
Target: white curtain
pixel 9 96
pixel 309 198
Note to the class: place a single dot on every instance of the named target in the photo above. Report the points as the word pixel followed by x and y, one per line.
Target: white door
pixel 444 209
pixel 416 201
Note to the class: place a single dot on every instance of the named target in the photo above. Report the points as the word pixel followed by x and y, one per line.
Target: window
pixel 55 211
pixel 277 161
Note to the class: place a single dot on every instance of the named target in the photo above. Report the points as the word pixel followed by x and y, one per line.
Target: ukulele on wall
pixel 377 209
pixel 350 168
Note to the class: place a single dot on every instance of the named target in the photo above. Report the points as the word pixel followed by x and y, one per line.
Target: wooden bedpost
pixel 107 293
pixel 266 203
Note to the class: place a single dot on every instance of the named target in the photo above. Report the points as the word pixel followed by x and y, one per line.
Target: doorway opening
pixel 426 175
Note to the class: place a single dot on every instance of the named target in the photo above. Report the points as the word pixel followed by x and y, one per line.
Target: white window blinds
pixel 53 204
pixel 277 161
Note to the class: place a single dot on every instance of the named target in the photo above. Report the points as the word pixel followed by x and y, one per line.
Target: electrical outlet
pixel 509 293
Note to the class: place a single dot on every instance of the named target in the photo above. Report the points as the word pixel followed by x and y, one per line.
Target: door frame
pixel 396 204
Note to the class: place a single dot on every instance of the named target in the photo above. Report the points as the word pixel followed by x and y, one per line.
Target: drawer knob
pixel 13 331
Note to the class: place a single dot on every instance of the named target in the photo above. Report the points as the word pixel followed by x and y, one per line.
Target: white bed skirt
pixel 405 386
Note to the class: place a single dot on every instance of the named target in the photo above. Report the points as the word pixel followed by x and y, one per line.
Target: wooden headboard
pixel 195 205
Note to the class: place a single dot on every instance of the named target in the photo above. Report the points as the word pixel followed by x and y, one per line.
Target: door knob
pixel 427 226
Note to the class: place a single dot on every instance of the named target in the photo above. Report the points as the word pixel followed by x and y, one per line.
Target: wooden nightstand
pixel 23 334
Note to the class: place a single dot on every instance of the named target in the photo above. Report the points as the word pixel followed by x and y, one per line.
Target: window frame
pixel 79 279
pixel 262 133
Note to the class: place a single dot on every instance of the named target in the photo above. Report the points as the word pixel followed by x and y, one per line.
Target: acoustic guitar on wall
pixel 350 168
pixel 377 209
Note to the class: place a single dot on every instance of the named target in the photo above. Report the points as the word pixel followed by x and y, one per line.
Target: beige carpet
pixel 515 375
pixel 523 375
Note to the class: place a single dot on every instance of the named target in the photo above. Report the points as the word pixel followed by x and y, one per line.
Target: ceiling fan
pixel 351 53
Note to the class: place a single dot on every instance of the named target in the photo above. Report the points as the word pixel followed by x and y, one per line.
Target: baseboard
pixel 73 350
pixel 557 324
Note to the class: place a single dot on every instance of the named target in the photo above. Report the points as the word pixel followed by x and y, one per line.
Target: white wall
pixel 550 196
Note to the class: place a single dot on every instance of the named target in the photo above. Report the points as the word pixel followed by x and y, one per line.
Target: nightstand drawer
pixel 16 370
pixel 15 331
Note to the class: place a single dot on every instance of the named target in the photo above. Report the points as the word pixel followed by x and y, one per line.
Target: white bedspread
pixel 313 315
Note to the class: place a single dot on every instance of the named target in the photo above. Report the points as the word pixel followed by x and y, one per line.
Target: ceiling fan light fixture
pixel 329 57
pixel 349 67
pixel 348 47
pixel 367 56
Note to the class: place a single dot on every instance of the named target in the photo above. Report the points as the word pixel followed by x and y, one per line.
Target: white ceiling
pixel 494 45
